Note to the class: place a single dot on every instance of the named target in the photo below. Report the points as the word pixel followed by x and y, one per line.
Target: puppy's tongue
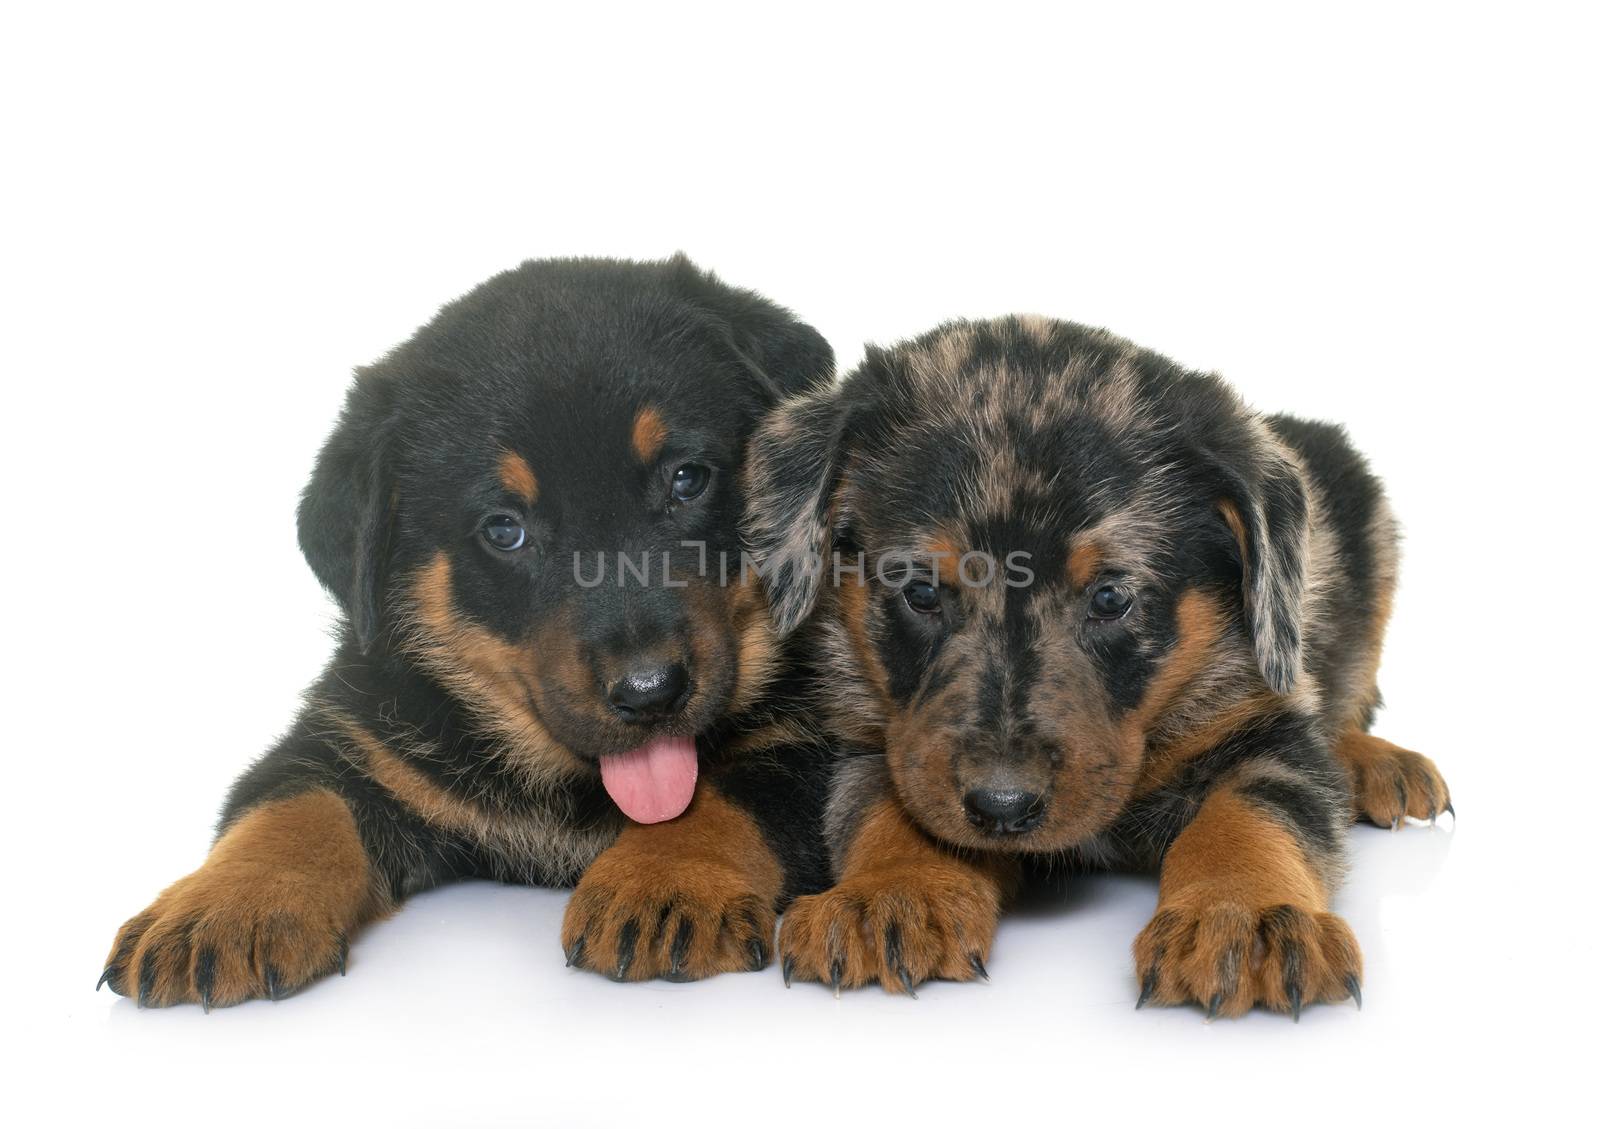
pixel 654 782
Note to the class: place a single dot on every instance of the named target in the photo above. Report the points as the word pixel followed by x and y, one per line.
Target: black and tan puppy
pixel 1080 604
pixel 507 689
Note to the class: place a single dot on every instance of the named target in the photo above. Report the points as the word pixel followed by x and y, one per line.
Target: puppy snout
pixel 1004 810
pixel 650 693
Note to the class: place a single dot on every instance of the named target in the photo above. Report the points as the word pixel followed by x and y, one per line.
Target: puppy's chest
pixel 545 833
pixel 542 846
pixel 517 825
pixel 1137 838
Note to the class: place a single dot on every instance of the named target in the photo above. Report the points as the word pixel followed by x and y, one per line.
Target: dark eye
pixel 1110 601
pixel 689 482
pixel 504 532
pixel 920 596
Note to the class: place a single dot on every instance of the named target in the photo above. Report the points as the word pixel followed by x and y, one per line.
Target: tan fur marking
pixel 1083 564
pixel 942 552
pixel 310 838
pixel 518 477
pixel 491 676
pixel 1233 852
pixel 1163 763
pixel 758 661
pixel 649 434
pixel 945 551
pixel 852 602
pixel 887 837
pixel 1199 621
pixel 536 843
pixel 413 788
pixel 715 831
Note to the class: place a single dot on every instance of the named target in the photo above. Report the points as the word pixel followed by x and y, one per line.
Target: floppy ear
pixel 346 510
pixel 792 471
pixel 1265 507
pixel 785 355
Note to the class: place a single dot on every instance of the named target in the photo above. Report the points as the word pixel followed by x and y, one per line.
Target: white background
pixel 1383 215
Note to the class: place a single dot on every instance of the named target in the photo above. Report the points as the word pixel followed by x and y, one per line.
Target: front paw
pixel 635 917
pixel 1231 957
pixel 218 938
pixel 896 926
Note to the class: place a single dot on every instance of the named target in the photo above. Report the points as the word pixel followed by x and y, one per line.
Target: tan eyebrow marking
pixel 649 434
pixel 1083 562
pixel 518 477
pixel 943 545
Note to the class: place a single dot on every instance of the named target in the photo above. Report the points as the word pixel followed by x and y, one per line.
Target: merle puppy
pixel 1086 608
pixel 509 698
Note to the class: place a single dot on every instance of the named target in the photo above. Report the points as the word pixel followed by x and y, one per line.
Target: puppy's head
pixel 1037 553
pixel 528 499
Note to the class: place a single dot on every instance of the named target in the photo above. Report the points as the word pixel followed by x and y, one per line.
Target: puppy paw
pixel 217 939
pixel 896 926
pixel 1230 957
pixel 1389 783
pixel 637 917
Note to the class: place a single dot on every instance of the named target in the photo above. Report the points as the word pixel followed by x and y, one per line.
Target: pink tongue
pixel 654 782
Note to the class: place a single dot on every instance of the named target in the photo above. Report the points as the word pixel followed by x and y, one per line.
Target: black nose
pixel 1003 811
pixel 650 693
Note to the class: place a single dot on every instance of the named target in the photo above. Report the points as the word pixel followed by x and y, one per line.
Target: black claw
pixel 976 962
pixel 1146 990
pixel 836 976
pixel 575 953
pixel 680 947
pixel 274 985
pixel 788 971
pixel 627 942
pixel 344 954
pixel 906 982
pixel 1354 986
pixel 891 945
pixel 205 971
pixel 1293 961
pixel 1451 808
pixel 1214 1007
pixel 105 976
pixel 758 954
